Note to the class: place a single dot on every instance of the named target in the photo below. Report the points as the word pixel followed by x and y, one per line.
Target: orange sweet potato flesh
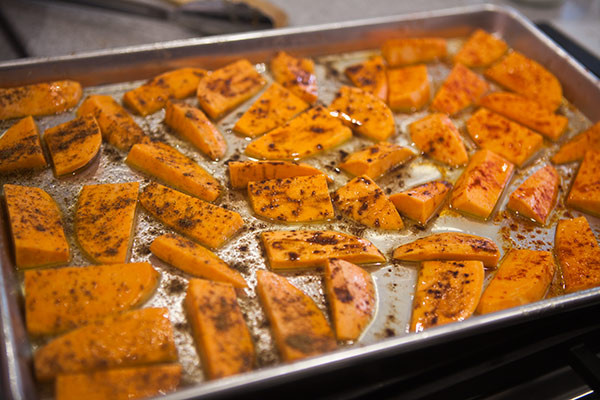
pixel 117 126
pixel 36 227
pixel 408 88
pixel 296 74
pixel 134 338
pixel 220 332
pixel 502 136
pixel 39 99
pixel 228 87
pixel 60 299
pixel 450 246
pixel 72 145
pixel 585 192
pixel 461 89
pixel 578 254
pixel 575 149
pixel 311 132
pixel 297 199
pixel 528 78
pixel 194 259
pixel 480 50
pixel 363 112
pixel 523 278
pixel 243 172
pixel 535 198
pixel 482 182
pixel 195 218
pixel 299 327
pixel 370 76
pixel 172 167
pixel 398 52
pixel 154 94
pixel 447 291
pixel 376 160
pixel 194 126
pixel 273 108
pixel 421 202
pixel 119 384
pixel 20 147
pixel 363 201
pixel 437 136
pixel 351 295
pixel 302 249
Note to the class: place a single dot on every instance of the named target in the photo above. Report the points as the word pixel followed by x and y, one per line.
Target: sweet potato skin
pixel 461 89
pixel 243 172
pixel 296 75
pixel 585 192
pixel 376 160
pixel 480 50
pixel 370 75
pixel 575 149
pixel 20 147
pixel 398 52
pixel 421 202
pixel 408 88
pixel 437 136
pixel 39 99
pixel 535 198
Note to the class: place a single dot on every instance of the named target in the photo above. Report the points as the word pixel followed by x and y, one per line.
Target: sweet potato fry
pixel 575 149
pixel 585 192
pixel 39 99
pixel 296 74
pixel 242 172
pixel 398 52
pixel 480 50
pixel 370 76
pixel 376 160
pixel 437 136
pixel 535 198
pixel 461 89
pixel 408 88
pixel 421 202
pixel 20 147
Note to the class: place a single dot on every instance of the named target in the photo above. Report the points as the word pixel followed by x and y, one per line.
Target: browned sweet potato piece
pixel 39 99
pixel 370 76
pixel 376 160
pixel 20 147
pixel 242 172
pixel 296 74
pixel 408 88
pixel 461 88
pixel 421 202
pixel 585 192
pixel 535 198
pixel 399 52
pixel 437 136
pixel 480 50
pixel 575 149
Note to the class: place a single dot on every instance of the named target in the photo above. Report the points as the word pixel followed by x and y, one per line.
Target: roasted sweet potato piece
pixel 585 192
pixel 447 291
pixel 479 187
pixel 54 297
pixel 363 201
pixel 194 259
pixel 535 198
pixel 134 338
pixel 526 112
pixel 201 221
pixel 117 126
pixel 370 76
pixel 20 147
pixel 480 50
pixel 299 327
pixel 461 88
pixel 299 249
pixel 172 167
pixel 525 76
pixel 119 384
pixel 398 52
pixel 578 254
pixel 421 202
pixel 297 199
pixel 228 87
pixel 194 126
pixel 408 88
pixel 437 136
pixel 522 278
pixel 502 136
pixel 376 160
pixel 575 149
pixel 36 227
pixel 39 99
pixel 74 144
pixel 363 112
pixel 154 94
pixel 309 133
pixel 273 108
pixel 242 172
pixel 220 332
pixel 351 295
pixel 450 246
pixel 296 74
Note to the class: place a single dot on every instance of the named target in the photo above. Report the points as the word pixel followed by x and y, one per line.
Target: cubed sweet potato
pixel 437 136
pixel 575 149
pixel 242 172
pixel 296 74
pixel 398 52
pixel 421 202
pixel 20 147
pixel 480 50
pixel 39 99
pixel 585 192
pixel 408 88
pixel 376 160
pixel 461 89
pixel 536 197
pixel 370 76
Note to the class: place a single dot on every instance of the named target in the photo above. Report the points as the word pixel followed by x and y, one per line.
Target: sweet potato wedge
pixel 575 149
pixel 376 160
pixel 370 76
pixel 194 126
pixel 119 384
pixel 522 278
pixel 296 74
pixel 74 144
pixel 60 299
pixel 398 52
pixel 535 198
pixel 134 338
pixel 479 187
pixel 242 172
pixel 363 201
pixel 194 259
pixel 585 192
pixel 300 249
pixel 220 332
pixel 297 199
pixel 20 147
pixel 198 219
pixel 172 167
pixel 36 227
pixel 299 327
pixel 351 295
pixel 461 89
pixel 421 202
pixel 309 133
pixel 39 99
pixel 447 291
pixel 450 246
pixel 578 254
pixel 408 88
pixel 480 50
pixel 437 136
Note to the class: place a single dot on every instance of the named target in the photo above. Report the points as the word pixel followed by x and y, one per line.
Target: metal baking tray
pixel 333 46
